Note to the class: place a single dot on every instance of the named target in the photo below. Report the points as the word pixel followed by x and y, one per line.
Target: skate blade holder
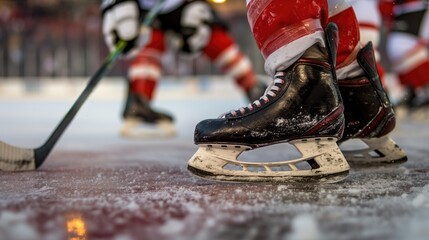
pixel 373 151
pixel 323 158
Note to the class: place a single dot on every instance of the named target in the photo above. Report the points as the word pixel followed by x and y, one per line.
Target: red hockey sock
pixel 144 87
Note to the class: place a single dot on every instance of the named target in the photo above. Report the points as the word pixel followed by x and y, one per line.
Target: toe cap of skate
pixel 214 130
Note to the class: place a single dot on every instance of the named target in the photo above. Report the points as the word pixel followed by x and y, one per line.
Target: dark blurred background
pixel 62 38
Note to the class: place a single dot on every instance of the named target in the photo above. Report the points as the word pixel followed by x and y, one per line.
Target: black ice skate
pixel 369 115
pixel 302 107
pixel 141 121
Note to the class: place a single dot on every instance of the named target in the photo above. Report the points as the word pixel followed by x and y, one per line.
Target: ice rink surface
pixel 96 185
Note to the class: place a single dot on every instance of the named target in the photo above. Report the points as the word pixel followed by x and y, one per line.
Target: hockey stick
pixel 25 159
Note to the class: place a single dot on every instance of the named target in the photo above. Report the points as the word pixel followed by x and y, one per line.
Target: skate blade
pixel 378 151
pixel 136 129
pixel 323 158
pixel 332 178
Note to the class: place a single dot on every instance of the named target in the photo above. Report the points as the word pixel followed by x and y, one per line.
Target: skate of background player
pixel 25 159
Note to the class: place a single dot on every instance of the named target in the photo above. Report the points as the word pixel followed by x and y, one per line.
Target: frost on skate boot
pixel 369 115
pixel 141 121
pixel 302 107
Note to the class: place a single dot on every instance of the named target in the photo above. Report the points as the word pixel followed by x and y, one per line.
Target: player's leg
pixel 140 119
pixel 368 112
pixel 205 32
pixel 224 52
pixel 302 106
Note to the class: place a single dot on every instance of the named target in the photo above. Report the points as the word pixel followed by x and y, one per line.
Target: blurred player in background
pixel 407 27
pixel 196 29
pixel 408 47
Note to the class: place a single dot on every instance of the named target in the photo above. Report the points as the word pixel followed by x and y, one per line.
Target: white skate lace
pixel 271 90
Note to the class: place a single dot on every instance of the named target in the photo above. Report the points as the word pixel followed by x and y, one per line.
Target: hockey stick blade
pixel 26 159
pixel 16 159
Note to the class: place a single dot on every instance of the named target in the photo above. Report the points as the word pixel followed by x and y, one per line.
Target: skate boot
pixel 141 121
pixel 302 107
pixel 369 115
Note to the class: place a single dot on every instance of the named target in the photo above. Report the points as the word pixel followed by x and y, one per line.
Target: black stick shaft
pixel 42 152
